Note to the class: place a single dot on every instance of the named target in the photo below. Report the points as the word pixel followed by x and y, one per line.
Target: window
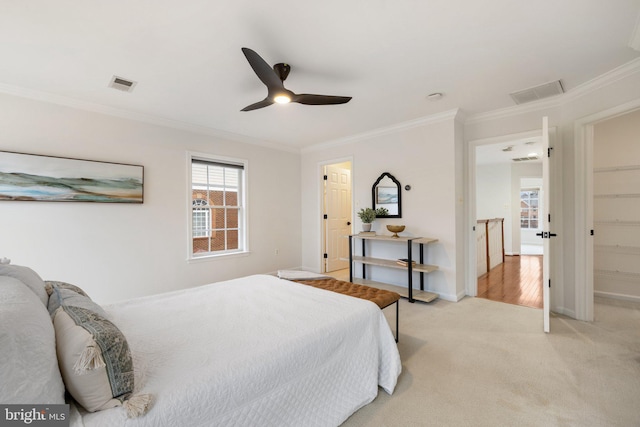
pixel 217 223
pixel 529 205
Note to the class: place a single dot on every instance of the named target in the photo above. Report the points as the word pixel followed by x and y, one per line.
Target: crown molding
pixel 606 79
pixel 634 42
pixel 139 117
pixel 387 130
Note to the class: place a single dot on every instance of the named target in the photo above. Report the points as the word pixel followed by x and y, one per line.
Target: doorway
pixel 508 186
pixel 337 216
pixel 584 201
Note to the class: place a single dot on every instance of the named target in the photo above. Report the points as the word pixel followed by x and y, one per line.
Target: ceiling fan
pixel 274 79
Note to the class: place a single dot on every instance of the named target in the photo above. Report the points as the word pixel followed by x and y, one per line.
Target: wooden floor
pixel 516 281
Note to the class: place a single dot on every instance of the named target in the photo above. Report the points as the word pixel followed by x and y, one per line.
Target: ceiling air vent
pixel 539 92
pixel 122 84
pixel 524 159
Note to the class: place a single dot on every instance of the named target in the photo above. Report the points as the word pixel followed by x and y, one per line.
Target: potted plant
pixel 382 212
pixel 366 215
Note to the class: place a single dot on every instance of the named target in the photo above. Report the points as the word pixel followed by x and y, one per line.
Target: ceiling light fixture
pixel 282 99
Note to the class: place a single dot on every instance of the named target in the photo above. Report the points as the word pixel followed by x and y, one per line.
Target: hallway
pixel 516 281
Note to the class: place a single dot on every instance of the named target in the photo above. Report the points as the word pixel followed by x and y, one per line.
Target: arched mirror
pixel 385 193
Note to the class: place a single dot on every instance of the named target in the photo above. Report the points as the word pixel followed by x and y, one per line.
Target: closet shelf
pixel 617 169
pixel 616 196
pixel 618 249
pixel 617 222
pixel 623 275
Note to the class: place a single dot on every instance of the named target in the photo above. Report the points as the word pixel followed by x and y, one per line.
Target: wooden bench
pixel 381 297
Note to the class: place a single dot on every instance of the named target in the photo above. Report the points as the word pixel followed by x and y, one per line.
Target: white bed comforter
pixel 256 351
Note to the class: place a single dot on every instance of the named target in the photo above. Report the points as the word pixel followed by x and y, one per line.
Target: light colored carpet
pixel 484 363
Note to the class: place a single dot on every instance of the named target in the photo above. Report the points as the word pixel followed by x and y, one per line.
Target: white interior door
pixel 338 221
pixel 546 224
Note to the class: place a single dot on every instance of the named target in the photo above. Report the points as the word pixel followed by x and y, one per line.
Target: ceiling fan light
pixel 282 99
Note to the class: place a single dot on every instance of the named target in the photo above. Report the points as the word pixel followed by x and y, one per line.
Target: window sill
pixel 212 257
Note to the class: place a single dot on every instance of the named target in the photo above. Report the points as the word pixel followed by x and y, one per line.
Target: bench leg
pixel 397 320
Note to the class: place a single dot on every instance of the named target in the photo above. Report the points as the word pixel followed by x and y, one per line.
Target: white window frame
pixel 539 209
pixel 243 240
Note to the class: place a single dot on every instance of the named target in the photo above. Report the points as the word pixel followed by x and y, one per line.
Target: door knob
pixel 348 222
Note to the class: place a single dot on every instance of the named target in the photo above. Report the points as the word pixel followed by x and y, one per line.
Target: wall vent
pixel 538 92
pixel 524 159
pixel 122 84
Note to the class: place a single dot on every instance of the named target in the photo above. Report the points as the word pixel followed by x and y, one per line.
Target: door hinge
pixel 549 151
pixel 592 233
pixel 325 216
pixel 474 228
pixel 549 282
pixel 325 177
pixel 549 217
pixel 326 256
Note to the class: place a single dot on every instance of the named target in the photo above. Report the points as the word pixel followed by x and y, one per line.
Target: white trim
pixel 423 121
pixel 243 226
pixel 634 41
pixel 139 117
pixel 583 217
pixel 471 287
pixel 599 82
pixel 218 256
pixel 612 76
pixel 611 295
pixel 320 225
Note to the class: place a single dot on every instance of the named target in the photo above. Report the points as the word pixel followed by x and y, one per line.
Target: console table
pixel 420 266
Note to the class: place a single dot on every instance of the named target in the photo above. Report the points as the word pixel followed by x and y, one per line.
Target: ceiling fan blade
pixel 260 104
pixel 263 70
pixel 309 99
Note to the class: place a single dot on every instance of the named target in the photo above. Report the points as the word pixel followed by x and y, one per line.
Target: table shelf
pixel 418 267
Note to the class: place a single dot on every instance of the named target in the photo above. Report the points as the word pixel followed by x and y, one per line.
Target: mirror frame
pixel 373 195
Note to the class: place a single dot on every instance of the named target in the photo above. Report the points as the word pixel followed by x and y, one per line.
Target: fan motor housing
pixel 282 70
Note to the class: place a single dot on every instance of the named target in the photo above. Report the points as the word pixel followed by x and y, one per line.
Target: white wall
pixel 427 157
pixel 498 196
pixel 493 198
pixel 118 251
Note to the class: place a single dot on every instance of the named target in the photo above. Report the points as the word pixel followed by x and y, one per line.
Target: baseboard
pixel 449 297
pixel 612 295
pixel 564 312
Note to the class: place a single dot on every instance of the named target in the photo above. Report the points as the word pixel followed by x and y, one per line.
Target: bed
pixel 252 351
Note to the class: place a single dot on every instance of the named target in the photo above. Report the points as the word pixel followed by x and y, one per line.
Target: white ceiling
pixel 389 55
pixel 505 152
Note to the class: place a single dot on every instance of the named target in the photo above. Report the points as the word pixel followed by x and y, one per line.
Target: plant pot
pixel 366 226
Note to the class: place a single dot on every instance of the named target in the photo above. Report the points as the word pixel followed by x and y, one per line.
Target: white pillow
pixel 28 277
pixel 95 360
pixel 29 371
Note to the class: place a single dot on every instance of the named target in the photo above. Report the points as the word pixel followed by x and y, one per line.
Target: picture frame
pixel 41 178
pixel 386 195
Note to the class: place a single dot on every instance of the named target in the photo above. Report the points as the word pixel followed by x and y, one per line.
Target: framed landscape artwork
pixel 32 177
pixel 386 195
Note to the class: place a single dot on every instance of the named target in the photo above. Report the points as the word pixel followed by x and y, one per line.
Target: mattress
pixel 253 351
